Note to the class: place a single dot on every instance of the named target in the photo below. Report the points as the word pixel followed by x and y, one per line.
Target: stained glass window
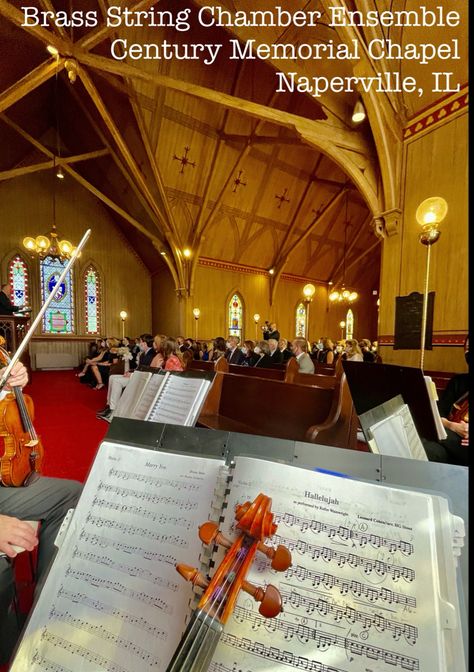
pixel 349 324
pixel 301 320
pixel 18 278
pixel 92 301
pixel 236 316
pixel 59 316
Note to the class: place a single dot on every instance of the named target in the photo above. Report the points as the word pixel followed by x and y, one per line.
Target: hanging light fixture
pixel 344 295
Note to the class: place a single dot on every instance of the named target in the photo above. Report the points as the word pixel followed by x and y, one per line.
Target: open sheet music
pixel 371 587
pixel 166 397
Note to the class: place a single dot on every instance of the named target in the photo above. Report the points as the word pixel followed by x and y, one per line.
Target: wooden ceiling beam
pixel 333 276
pixel 324 240
pixel 262 139
pixel 349 149
pixel 48 6
pixel 122 146
pixel 46 36
pixel 95 37
pixel 46 165
pixel 29 82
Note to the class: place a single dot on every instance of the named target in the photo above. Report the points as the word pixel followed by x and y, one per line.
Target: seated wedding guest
pixel 172 355
pixel 218 349
pixel 300 350
pixel 275 353
pixel 453 406
pixel 180 342
pixel 285 349
pixel 250 356
pixel 101 368
pixel 234 354
pixel 352 351
pixel 45 500
pixel 326 352
pixel 203 351
pixel 149 356
pixel 87 376
pixel 262 349
pixel 366 349
pixel 338 350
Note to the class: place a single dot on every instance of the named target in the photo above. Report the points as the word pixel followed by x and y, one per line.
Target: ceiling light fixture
pixel 344 295
pixel 358 114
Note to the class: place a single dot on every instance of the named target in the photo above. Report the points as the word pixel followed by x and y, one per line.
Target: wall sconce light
pixel 429 214
pixel 358 113
pixel 186 253
pixel 197 315
pixel 256 318
pixel 308 293
pixel 123 317
pixel 271 271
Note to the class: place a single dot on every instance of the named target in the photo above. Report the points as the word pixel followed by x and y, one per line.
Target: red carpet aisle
pixel 65 420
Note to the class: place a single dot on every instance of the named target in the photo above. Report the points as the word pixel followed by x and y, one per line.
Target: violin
pixel 255 523
pixel 20 463
pixel 460 413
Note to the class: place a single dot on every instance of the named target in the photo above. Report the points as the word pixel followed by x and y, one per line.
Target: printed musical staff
pixel 106 542
pixel 151 498
pixel 137 621
pixel 142 573
pixel 48 665
pixel 154 481
pixel 302 663
pixel 344 533
pixel 342 558
pixel 324 640
pixel 120 588
pixel 338 612
pixel 101 522
pixel 160 518
pixel 345 586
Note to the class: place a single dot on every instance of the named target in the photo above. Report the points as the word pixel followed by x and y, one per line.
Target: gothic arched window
pixel 300 329
pixel 18 279
pixel 59 317
pixel 92 301
pixel 236 316
pixel 349 324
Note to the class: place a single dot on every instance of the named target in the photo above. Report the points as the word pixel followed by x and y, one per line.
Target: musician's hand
pixel 14 532
pixel 460 428
pixel 18 376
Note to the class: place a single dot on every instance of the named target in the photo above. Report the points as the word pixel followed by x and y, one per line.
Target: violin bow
pixel 44 308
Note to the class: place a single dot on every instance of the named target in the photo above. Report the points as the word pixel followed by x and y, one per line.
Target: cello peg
pixel 209 533
pixel 280 556
pixel 193 575
pixel 269 598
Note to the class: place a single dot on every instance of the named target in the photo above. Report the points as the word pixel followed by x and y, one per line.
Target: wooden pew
pixel 253 405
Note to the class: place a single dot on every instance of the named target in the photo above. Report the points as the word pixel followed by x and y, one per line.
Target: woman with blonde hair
pixel 158 360
pixel 352 350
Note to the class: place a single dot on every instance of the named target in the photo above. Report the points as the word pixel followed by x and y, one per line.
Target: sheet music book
pixel 132 393
pixel 372 585
pixel 396 435
pixel 178 400
pixel 433 395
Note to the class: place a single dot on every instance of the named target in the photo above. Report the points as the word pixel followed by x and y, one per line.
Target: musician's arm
pixel 461 428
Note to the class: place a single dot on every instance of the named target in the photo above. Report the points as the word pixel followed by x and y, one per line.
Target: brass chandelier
pixel 344 295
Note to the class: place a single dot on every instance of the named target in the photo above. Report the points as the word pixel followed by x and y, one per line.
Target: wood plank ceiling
pixel 210 157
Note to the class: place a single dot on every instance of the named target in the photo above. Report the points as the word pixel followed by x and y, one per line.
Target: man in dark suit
pixel 271 331
pixel 6 305
pixel 234 354
pixel 275 352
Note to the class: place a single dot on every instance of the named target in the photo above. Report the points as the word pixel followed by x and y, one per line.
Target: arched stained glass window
pixel 18 279
pixel 92 301
pixel 236 316
pixel 349 324
pixel 300 320
pixel 59 317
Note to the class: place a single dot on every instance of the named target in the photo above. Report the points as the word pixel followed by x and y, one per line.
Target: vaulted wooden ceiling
pixel 210 157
